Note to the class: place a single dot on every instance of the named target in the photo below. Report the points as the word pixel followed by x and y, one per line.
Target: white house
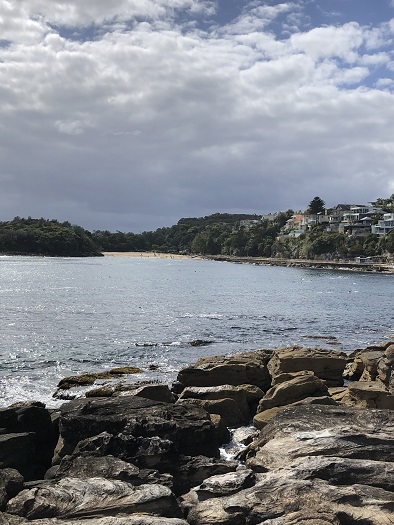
pixel 384 226
pixel 356 213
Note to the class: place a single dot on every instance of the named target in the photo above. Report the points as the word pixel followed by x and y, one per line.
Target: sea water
pixel 66 316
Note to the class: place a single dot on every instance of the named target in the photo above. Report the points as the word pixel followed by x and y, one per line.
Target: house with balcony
pixel 358 220
pixel 335 216
pixel 384 226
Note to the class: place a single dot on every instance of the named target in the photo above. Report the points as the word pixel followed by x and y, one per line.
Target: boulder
pixel 237 369
pixel 28 439
pixel 154 391
pixel 244 435
pixel 262 418
pixel 11 483
pixel 287 376
pixel 345 471
pixel 291 391
pixel 226 408
pixel 337 393
pixel 93 497
pixel 192 471
pixel 365 365
pixel 246 396
pixel 385 368
pixel 17 451
pixel 324 431
pixel 90 378
pixel 240 406
pixel 369 394
pixel 222 432
pixel 134 427
pixel 107 467
pixel 327 365
pixel 277 495
pixel 217 486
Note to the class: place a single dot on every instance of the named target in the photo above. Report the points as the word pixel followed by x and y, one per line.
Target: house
pixel 384 226
pixel 293 228
pixel 335 216
pixel 269 217
pixel 357 212
pixel 358 220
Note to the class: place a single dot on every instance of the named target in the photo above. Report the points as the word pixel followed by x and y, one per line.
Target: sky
pixel 131 114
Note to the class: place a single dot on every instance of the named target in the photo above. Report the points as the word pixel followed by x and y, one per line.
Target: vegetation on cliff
pixel 46 237
pixel 318 243
pixel 217 234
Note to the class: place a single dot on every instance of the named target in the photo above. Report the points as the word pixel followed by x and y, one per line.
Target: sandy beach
pixel 147 254
pixel 302 263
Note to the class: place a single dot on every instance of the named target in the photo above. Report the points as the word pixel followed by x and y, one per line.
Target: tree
pixel 387 205
pixel 199 244
pixel 317 205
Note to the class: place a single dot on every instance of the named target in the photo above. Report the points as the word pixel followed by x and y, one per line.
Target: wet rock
pixel 74 498
pixel 327 365
pixel 222 432
pixel 28 439
pixel 89 379
pixel 217 486
pixel 237 369
pixel 200 342
pixel 244 435
pixel 192 471
pixel 154 391
pixel 140 427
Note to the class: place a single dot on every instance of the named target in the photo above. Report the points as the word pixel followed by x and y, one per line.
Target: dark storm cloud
pixel 151 116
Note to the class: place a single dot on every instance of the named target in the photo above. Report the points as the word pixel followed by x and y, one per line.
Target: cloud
pixel 157 119
pixel 74 13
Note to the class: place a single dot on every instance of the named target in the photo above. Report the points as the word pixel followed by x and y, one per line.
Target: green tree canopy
pixel 317 205
pixel 387 205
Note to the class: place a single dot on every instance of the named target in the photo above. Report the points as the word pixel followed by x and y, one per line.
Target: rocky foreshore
pixel 322 264
pixel 314 434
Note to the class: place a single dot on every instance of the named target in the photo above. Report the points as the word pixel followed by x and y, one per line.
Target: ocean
pixel 67 316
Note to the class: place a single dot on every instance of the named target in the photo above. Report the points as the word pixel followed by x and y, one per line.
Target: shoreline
pixel 149 255
pixel 290 263
pixel 307 263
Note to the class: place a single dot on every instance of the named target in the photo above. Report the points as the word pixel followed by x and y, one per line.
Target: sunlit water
pixel 65 316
